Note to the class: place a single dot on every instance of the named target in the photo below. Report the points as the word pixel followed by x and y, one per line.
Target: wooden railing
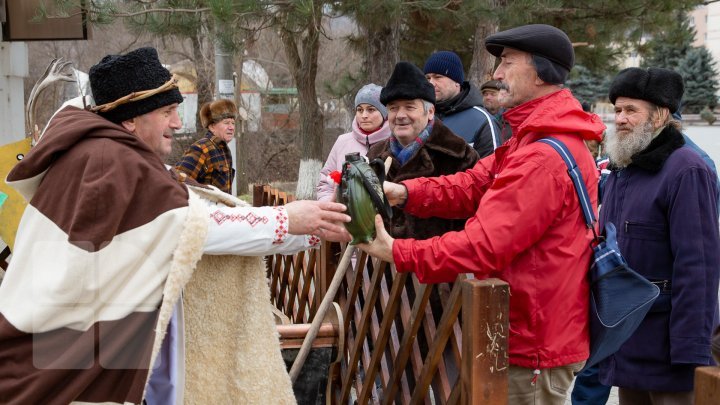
pixel 405 342
pixel 707 386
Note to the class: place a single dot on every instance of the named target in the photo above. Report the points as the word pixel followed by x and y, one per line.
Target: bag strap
pixel 576 177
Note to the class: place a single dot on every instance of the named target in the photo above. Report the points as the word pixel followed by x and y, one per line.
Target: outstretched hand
pixel 321 218
pixel 395 193
pixel 382 246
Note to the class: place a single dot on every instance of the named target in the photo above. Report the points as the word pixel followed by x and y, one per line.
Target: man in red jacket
pixel 525 225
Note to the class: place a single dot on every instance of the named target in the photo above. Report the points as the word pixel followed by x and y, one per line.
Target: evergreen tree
pixel 394 30
pixel 672 49
pixel 604 33
pixel 588 86
pixel 700 74
pixel 669 47
pixel 439 25
pixel 192 27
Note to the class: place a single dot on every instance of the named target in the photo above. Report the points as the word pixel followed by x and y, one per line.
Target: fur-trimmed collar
pixel 654 156
pixel 442 153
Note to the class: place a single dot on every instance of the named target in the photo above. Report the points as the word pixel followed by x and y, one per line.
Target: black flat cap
pixel 662 87
pixel 551 49
pixel 407 82
pixel 492 85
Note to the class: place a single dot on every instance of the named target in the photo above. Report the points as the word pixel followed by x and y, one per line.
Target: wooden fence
pixel 405 342
pixel 707 386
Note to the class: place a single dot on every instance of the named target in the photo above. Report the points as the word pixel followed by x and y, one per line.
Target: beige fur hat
pixel 216 111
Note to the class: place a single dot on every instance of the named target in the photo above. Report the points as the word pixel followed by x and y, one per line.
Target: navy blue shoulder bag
pixel 619 297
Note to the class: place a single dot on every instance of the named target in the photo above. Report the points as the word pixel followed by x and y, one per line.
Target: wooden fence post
pixel 484 371
pixel 327 266
pixel 258 200
pixel 707 385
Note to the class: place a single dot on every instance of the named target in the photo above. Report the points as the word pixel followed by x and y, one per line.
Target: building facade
pixel 706 20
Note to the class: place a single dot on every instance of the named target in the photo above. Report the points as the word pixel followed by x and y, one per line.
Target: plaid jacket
pixel 208 161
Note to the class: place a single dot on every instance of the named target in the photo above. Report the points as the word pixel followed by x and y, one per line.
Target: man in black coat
pixel 420 146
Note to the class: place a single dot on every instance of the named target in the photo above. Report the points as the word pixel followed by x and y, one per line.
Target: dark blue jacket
pixel 678 116
pixel 706 158
pixel 465 115
pixel 664 206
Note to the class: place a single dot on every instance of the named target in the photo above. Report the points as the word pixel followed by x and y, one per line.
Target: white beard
pixel 621 148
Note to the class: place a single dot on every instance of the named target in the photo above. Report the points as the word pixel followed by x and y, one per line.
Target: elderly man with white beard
pixel 661 196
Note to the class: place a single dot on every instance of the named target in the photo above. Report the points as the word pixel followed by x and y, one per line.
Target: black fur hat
pixel 116 76
pixel 407 82
pixel 662 87
pixel 550 47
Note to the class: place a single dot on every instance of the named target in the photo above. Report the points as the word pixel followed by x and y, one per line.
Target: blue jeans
pixel 588 390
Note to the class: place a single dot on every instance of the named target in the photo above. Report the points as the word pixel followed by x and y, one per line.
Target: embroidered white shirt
pixel 252 231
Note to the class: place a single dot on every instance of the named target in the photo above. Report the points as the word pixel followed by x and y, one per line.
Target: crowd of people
pixel 111 236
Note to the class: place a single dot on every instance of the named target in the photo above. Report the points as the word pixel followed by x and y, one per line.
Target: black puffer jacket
pixel 466 116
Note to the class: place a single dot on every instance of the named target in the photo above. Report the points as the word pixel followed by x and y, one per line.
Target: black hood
pixel 468 97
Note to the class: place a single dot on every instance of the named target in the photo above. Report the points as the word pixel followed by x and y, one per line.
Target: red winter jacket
pixel 526 228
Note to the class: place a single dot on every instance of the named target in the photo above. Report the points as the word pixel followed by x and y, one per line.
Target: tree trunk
pixel 483 64
pixel 241 149
pixel 225 85
pixel 303 68
pixel 205 78
pixel 382 52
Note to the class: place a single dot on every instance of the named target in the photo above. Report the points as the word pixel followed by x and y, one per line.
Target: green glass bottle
pixel 361 191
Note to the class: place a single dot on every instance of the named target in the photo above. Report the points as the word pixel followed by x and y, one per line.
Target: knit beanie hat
pixel 116 76
pixel 550 47
pixel 662 87
pixel 445 63
pixel 216 111
pixel 370 94
pixel 407 82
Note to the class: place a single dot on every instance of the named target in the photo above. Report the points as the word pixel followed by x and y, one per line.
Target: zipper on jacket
pixel 642 225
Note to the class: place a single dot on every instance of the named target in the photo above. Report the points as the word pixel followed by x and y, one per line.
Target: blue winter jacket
pixel 707 159
pixel 465 115
pixel 665 209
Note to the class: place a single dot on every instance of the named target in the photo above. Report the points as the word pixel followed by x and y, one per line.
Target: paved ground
pixel 708 138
